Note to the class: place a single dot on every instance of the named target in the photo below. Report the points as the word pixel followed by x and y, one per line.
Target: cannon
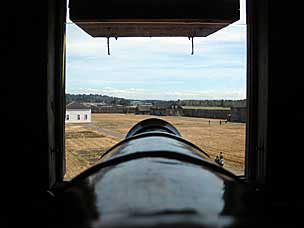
pixel 156 178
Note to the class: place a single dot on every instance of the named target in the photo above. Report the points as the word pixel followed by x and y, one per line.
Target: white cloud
pixel 209 94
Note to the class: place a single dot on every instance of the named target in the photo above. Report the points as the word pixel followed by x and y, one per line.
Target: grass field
pixel 85 143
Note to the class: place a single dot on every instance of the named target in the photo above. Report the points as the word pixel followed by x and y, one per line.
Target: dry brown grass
pixel 86 142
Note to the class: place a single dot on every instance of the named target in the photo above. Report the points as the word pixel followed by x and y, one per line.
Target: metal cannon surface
pixel 156 178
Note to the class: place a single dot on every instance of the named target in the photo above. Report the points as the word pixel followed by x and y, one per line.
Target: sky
pixel 159 68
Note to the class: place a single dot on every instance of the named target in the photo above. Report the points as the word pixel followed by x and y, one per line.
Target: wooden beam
pixel 137 18
pixel 108 29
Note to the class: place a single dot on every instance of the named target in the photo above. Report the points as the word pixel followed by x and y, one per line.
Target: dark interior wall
pixel 276 96
pixel 28 91
pixel 285 118
pixel 32 100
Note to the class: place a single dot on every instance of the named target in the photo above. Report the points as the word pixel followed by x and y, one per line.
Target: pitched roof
pixel 76 105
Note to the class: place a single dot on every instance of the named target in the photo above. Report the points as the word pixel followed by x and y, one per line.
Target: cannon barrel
pixel 156 178
pixel 155 137
pixel 152 125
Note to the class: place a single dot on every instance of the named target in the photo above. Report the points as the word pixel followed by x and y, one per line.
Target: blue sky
pixel 159 68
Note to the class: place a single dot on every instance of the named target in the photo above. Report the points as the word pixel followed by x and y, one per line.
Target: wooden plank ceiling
pixel 153 18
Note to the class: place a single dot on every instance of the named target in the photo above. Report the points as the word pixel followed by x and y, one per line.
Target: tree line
pixel 95 98
pixel 109 100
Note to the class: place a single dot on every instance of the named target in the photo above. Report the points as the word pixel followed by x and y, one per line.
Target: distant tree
pixel 98 98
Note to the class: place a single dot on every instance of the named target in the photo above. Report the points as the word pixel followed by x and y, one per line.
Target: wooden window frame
pixel 257 89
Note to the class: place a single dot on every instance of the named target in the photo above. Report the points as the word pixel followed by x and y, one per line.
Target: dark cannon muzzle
pixel 153 125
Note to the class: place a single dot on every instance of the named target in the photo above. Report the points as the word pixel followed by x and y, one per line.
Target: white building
pixel 77 113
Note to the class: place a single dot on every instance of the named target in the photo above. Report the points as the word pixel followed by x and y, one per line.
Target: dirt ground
pixel 85 143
